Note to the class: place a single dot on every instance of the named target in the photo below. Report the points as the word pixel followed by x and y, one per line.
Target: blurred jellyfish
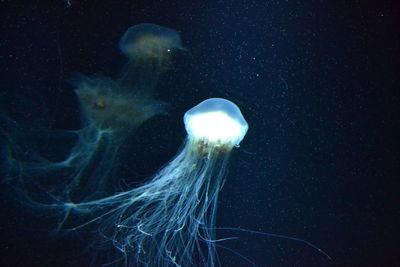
pixel 111 111
pixel 170 220
pixel 105 106
pixel 149 49
pixel 110 116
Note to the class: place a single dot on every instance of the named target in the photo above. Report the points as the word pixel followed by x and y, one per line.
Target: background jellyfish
pixel 111 111
pixel 149 49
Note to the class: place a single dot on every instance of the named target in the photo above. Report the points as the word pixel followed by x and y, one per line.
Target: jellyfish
pixel 150 51
pixel 111 110
pixel 170 220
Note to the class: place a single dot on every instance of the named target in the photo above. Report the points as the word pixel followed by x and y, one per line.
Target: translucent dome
pixel 216 120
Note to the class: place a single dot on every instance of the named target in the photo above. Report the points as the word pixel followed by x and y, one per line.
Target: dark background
pixel 317 82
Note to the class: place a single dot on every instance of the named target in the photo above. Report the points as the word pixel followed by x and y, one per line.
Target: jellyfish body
pixel 150 42
pixel 170 220
pixel 107 106
pixel 149 49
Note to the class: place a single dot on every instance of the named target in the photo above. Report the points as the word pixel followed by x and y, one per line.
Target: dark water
pixel 317 82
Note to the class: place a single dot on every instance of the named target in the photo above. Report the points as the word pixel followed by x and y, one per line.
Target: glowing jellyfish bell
pixel 170 220
pixel 215 123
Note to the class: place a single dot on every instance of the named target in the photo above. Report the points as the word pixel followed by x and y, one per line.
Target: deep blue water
pixel 317 81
